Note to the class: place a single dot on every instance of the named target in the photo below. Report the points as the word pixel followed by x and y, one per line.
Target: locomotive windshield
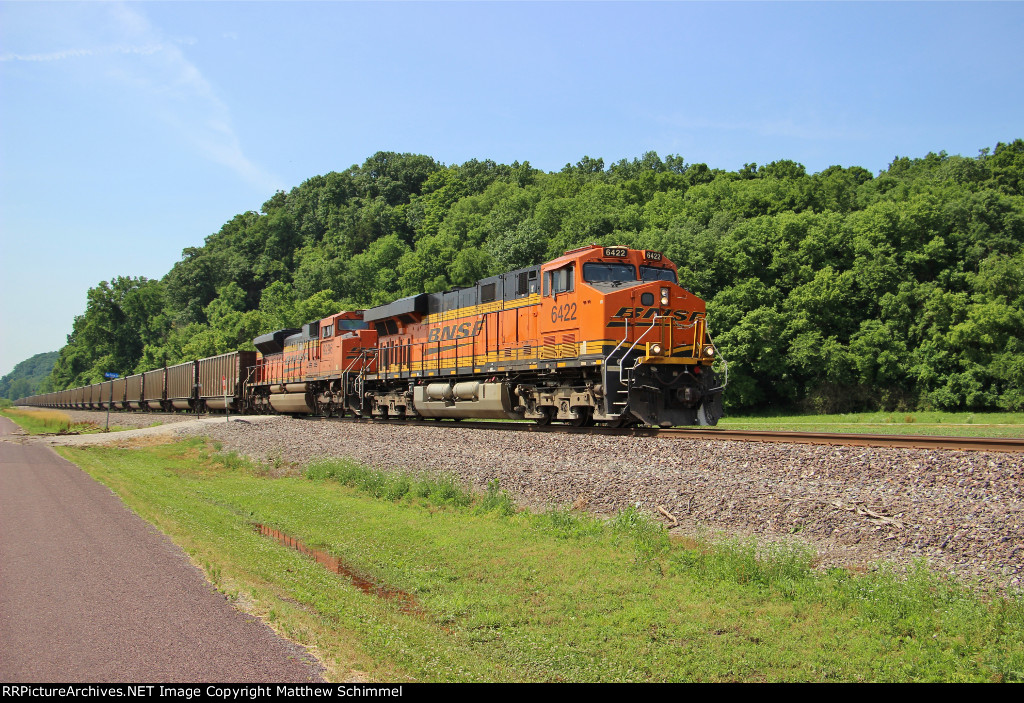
pixel 597 273
pixel 653 273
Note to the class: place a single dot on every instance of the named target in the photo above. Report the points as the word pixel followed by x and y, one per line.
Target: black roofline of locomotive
pixel 402 306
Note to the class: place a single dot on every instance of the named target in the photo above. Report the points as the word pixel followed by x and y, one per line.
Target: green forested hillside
pixel 830 291
pixel 29 377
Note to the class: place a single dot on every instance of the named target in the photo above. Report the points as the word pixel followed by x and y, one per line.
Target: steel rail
pixel 840 439
pixel 846 439
pixel 850 439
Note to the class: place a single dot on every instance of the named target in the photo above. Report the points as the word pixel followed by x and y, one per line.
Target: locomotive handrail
pixel 629 376
pixel 625 337
pixel 349 367
pixel 653 320
pixel 725 363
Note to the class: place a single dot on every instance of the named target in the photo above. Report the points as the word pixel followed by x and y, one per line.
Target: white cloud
pixel 135 55
pixel 77 53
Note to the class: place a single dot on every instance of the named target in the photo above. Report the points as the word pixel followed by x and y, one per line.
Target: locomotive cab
pixel 647 333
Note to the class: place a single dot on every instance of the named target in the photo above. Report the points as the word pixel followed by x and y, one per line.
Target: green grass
pixel 924 423
pixel 47 421
pixel 55 421
pixel 508 595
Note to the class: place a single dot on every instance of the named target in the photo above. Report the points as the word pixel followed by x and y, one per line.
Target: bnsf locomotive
pixel 599 335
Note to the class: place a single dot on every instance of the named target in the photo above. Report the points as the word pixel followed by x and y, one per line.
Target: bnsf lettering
pixel 648 313
pixel 466 329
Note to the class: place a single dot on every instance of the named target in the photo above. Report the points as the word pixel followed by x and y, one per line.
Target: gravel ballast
pixel 855 506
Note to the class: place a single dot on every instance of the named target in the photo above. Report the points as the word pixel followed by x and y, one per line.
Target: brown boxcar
pixel 118 385
pixel 133 391
pixel 155 388
pixel 104 394
pixel 222 379
pixel 94 396
pixel 181 385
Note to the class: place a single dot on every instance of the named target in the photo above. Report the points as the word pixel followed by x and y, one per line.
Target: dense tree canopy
pixel 830 291
pixel 29 377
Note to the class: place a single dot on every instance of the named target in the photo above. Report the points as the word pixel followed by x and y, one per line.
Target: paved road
pixel 90 592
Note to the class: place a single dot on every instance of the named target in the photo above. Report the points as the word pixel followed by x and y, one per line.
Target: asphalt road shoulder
pixel 93 593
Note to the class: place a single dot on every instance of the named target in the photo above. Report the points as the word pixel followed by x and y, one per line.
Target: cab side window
pixel 561 280
pixel 564 280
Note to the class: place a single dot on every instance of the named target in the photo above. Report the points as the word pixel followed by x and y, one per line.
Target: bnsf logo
pixel 647 313
pixel 466 329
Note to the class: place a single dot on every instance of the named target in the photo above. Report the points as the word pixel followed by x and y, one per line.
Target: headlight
pixel 664 297
pixel 709 350
pixel 656 350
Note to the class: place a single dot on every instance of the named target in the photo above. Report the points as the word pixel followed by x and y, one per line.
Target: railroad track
pixel 844 439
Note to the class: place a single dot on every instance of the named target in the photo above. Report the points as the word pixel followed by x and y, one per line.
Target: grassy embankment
pixel 39 421
pixel 925 423
pixel 505 595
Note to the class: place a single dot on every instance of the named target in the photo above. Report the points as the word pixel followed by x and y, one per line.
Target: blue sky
pixel 129 131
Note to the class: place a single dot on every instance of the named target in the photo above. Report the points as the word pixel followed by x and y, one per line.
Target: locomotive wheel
pixel 545 419
pixel 584 420
pixel 703 419
pixel 625 420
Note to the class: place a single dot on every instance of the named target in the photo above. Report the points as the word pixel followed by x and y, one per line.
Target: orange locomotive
pixel 600 334
pixel 304 371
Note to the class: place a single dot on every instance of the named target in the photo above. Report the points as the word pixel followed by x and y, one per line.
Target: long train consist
pixel 599 335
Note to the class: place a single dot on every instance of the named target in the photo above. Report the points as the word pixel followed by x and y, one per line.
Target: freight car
pixel 599 335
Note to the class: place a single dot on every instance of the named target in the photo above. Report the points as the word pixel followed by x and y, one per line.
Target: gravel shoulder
pixel 962 512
